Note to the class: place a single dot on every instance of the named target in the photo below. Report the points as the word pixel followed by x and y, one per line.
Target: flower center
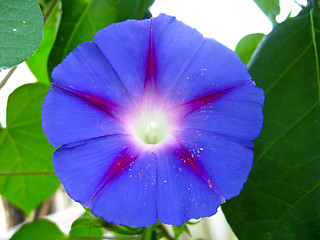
pixel 152 129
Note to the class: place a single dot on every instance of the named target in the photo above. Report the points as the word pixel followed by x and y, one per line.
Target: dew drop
pixel 13 29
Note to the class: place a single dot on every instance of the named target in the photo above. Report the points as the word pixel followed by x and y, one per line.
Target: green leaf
pixel 148 233
pixel 20 31
pixel 86 225
pixel 271 8
pixel 26 172
pixel 281 197
pixel 77 233
pixel 38 62
pixel 88 219
pixel 40 229
pixel 179 229
pixel 124 230
pixel 81 19
pixel 247 45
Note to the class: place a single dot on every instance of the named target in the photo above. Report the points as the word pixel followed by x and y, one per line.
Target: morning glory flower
pixel 154 122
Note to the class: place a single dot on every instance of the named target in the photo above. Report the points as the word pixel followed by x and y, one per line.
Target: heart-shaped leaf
pixel 281 197
pixel 39 230
pixel 26 172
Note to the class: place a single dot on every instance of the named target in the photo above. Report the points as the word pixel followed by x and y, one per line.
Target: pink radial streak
pixel 106 106
pixel 199 102
pixel 150 80
pixel 122 162
pixel 189 159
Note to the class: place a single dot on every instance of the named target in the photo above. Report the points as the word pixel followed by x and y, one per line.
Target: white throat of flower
pixel 152 128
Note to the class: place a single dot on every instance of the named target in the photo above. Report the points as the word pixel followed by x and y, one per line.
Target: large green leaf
pixel 26 172
pixel 246 46
pixel 20 30
pixel 281 199
pixel 81 19
pixel 40 229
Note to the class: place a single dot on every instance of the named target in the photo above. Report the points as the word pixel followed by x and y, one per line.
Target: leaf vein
pixel 315 50
pixel 284 133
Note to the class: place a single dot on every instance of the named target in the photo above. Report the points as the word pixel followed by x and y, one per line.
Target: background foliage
pixel 281 197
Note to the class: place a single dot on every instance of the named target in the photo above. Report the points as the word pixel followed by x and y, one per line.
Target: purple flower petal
pixel 125 45
pixel 67 118
pixel 130 198
pixel 82 166
pixel 175 45
pixel 87 70
pixel 234 112
pixel 227 161
pixel 213 68
pixel 155 122
pixel 116 182
pixel 184 192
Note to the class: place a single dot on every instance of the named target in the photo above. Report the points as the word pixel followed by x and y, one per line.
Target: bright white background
pixel 225 20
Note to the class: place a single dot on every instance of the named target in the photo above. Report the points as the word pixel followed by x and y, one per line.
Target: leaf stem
pixel 6 78
pixel 49 11
pixel 27 173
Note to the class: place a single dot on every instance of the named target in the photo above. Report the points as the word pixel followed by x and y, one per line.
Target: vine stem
pixel 6 78
pixel 27 173
pixel 49 11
